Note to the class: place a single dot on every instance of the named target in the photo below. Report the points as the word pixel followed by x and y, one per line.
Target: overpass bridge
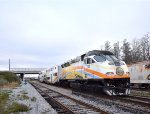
pixel 23 71
pixel 26 70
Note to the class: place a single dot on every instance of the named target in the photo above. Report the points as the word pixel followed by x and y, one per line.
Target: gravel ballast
pixel 32 99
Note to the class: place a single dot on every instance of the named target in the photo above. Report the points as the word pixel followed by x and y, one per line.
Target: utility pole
pixel 9 64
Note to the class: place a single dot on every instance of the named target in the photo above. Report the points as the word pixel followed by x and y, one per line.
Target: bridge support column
pixel 22 76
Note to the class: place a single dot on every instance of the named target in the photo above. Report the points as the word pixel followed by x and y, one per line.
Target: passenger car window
pixel 88 60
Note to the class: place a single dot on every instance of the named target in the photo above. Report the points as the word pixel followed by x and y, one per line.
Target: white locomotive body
pixel 95 68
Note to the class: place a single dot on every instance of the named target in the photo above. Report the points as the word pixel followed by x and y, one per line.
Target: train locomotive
pixel 95 68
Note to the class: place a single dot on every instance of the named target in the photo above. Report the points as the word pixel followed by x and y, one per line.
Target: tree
pixel 116 49
pixel 141 49
pixel 126 49
pixel 145 45
pixel 107 46
pixel 136 51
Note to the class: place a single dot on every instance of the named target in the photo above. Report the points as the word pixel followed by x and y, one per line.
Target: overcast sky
pixel 42 33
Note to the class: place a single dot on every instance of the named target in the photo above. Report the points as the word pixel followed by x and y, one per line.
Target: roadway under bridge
pixel 22 71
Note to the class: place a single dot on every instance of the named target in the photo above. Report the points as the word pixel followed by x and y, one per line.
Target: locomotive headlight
pixel 119 71
pixel 109 73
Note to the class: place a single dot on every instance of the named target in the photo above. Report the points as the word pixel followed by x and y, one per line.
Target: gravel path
pixel 35 101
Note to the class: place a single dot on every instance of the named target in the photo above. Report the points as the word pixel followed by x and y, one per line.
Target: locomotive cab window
pixel 111 58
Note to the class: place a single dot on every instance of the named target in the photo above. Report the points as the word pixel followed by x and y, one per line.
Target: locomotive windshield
pixel 102 58
pixel 111 58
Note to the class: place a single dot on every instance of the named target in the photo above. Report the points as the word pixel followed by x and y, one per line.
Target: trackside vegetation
pixel 16 107
pixel 4 96
pixel 8 78
pixel 8 81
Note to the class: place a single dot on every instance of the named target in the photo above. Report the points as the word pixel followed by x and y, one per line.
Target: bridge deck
pixel 26 70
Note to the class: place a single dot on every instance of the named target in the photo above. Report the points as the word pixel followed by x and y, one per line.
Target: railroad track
pixel 140 98
pixel 64 104
pixel 139 89
pixel 110 100
pixel 140 93
pixel 137 100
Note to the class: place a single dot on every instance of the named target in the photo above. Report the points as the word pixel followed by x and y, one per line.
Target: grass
pixel 4 96
pixel 33 99
pixel 22 97
pixel 23 92
pixel 6 108
pixel 12 85
pixel 16 107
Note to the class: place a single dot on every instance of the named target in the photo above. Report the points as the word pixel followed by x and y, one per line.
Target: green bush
pixel 8 77
pixel 3 81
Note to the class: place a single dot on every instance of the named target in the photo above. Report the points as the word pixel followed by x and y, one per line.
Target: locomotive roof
pixel 98 52
pixel 93 52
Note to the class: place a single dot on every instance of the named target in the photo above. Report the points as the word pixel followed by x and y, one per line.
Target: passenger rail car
pixel 42 76
pixel 95 68
pixel 51 75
